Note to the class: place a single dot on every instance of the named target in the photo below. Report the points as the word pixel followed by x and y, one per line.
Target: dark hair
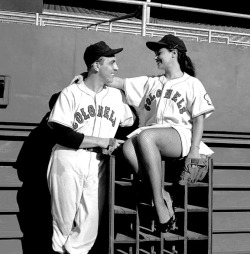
pixel 186 64
pixel 99 60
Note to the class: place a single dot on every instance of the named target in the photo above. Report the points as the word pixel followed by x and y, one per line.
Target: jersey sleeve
pixel 201 103
pixel 62 112
pixel 135 89
pixel 128 116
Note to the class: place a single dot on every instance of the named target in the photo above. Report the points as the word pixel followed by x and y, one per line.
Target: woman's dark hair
pixel 186 63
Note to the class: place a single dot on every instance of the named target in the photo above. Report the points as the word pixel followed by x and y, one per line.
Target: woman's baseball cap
pixel 168 41
pixel 95 51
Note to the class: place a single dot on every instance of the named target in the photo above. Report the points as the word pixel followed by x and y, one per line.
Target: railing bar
pixel 182 8
pixel 151 24
pixel 123 26
pixel 17 13
pixel 17 21
pixel 199 29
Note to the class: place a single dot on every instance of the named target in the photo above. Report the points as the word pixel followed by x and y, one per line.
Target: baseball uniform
pixel 160 102
pixel 74 176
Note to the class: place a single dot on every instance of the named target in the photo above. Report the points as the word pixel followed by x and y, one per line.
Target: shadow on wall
pixel 33 197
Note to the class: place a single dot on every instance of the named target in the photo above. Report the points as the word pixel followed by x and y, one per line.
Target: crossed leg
pixel 144 153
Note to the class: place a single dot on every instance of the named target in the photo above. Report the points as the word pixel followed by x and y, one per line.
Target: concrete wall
pixel 43 60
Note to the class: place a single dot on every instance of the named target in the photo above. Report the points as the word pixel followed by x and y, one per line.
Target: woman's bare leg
pixel 130 151
pixel 153 144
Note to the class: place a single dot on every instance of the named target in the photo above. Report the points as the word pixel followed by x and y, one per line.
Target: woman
pixel 171 108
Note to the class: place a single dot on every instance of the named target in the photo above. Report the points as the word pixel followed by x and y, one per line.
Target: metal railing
pixel 131 26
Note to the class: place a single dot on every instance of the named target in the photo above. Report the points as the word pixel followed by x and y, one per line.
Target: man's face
pixel 107 69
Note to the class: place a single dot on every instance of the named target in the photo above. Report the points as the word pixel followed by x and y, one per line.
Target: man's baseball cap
pixel 95 51
pixel 169 41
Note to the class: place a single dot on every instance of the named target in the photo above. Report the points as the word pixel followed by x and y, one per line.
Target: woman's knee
pixel 145 138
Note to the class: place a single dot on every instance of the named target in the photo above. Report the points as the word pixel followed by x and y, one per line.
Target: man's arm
pixel 68 137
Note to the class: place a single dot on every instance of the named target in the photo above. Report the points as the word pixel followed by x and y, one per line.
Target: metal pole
pixel 37 19
pixel 148 12
pixel 144 20
pixel 110 27
pixel 183 8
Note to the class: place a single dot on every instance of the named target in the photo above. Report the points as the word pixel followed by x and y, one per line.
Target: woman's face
pixel 163 58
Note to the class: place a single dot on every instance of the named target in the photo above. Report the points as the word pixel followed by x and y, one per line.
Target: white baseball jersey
pixel 90 113
pixel 169 103
pixel 76 178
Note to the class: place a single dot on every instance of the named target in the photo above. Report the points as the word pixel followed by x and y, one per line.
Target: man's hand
pixel 112 146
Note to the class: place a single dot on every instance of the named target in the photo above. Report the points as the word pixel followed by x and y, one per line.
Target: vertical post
pixel 111 203
pixel 209 36
pixel 144 17
pixel 163 168
pixel 148 12
pixel 110 27
pixel 185 217
pixel 210 204
pixel 37 19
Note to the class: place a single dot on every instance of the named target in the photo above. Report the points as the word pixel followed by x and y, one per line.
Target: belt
pixel 93 149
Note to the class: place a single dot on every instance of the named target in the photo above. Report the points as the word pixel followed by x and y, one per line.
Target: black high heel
pixel 166 227
pixel 170 224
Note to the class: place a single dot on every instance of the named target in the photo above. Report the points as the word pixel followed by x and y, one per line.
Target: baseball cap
pixel 168 40
pixel 95 51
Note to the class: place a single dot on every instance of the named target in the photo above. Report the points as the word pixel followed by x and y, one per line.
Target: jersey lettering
pixel 91 110
pixel 106 112
pixel 100 111
pixel 179 103
pixel 158 93
pixel 148 101
pixel 151 97
pixel 85 116
pixel 81 116
pixel 147 107
pixel 167 95
pixel 175 97
pixel 111 118
pixel 78 117
pixel 182 110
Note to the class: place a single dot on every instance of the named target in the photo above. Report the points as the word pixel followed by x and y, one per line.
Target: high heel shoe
pixel 168 201
pixel 170 224
pixel 166 227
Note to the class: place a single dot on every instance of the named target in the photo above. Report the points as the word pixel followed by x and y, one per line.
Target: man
pixel 85 119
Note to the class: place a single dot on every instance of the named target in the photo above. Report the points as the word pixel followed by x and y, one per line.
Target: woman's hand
pixel 79 78
pixel 194 153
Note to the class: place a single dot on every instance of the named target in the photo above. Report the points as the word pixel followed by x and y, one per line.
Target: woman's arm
pixel 197 132
pixel 117 82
